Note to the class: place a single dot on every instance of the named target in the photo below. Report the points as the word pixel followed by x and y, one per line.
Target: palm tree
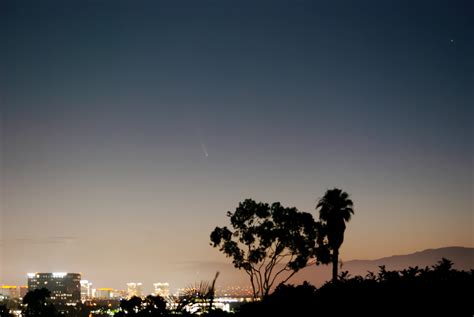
pixel 335 209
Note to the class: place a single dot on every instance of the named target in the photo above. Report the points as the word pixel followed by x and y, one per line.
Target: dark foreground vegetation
pixel 436 291
pixel 439 290
pixel 271 243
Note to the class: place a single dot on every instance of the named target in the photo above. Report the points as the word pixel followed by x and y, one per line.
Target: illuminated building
pixel 120 294
pixel 104 293
pixel 134 289
pixel 65 288
pixel 10 291
pixel 86 291
pixel 161 289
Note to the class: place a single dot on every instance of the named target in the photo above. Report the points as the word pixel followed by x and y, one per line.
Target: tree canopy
pixel 37 304
pixel 335 209
pixel 270 242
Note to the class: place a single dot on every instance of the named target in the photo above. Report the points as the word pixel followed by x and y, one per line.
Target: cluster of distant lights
pixel 55 274
pixel 132 286
pixel 225 291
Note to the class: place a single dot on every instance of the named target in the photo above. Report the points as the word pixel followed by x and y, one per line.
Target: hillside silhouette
pixel 462 257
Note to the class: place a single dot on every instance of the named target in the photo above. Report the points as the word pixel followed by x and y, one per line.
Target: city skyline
pixel 88 290
pixel 129 130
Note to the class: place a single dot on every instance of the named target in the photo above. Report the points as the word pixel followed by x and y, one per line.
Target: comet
pixel 203 145
pixel 204 150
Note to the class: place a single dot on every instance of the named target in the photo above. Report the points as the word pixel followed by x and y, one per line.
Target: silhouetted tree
pixel 154 306
pixel 198 298
pixel 149 306
pixel 444 265
pixel 268 242
pixel 36 304
pixel 335 209
pixel 131 306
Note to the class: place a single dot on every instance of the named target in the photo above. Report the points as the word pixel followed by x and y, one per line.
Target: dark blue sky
pixel 110 107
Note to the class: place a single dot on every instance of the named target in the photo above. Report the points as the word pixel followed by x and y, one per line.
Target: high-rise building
pixel 134 289
pixel 65 288
pixel 86 290
pixel 161 289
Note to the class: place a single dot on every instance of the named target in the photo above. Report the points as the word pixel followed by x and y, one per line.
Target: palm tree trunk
pixel 335 262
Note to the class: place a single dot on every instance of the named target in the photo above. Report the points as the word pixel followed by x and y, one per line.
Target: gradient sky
pixel 129 128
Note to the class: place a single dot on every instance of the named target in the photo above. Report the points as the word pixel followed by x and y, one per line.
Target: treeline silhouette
pixel 436 291
pixel 439 290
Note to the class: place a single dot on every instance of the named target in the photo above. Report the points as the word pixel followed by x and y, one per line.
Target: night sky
pixel 130 128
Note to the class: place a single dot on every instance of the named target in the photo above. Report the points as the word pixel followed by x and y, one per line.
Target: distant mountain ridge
pixel 462 257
